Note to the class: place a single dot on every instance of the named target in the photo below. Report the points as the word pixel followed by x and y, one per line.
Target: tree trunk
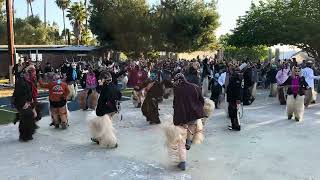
pixel 64 27
pixel 85 5
pixel 27 9
pixel 45 12
pixel 31 9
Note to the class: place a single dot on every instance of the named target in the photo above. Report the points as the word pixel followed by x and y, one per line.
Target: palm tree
pixel 29 3
pixel 77 15
pixel 1 4
pixel 45 12
pixel 63 5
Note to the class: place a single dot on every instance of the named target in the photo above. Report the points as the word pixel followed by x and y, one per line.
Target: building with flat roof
pixel 55 54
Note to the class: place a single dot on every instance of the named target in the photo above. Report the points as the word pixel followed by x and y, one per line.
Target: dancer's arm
pixel 44 85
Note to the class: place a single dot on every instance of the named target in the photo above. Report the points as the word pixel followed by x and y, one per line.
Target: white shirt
pixel 222 79
pixel 308 74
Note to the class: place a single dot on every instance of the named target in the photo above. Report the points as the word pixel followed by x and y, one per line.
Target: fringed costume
pixel 102 131
pixel 149 108
pixel 186 127
pixel 24 99
pixel 296 95
pixel 138 96
pixel 208 109
pixel 101 128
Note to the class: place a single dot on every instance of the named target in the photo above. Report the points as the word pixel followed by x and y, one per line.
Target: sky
pixel 229 11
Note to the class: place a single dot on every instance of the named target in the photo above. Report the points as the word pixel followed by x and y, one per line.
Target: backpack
pixel 91 80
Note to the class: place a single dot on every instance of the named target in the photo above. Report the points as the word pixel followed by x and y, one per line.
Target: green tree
pixel 185 25
pixel 230 52
pixel 1 4
pixel 32 31
pixel 63 5
pixel 174 25
pixel 77 15
pixel 292 22
pixel 121 24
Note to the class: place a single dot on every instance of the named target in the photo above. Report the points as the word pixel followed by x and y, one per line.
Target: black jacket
pixel 107 102
pixel 272 75
pixel 69 71
pixel 22 93
pixel 188 103
pixel 247 76
pixel 303 85
pixel 235 88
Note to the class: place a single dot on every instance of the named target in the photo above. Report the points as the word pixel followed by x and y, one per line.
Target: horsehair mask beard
pixel 178 79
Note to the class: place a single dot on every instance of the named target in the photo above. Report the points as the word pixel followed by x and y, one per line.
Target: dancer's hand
pixel 238 102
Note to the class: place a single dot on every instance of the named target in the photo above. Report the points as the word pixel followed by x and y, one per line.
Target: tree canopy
pixel 185 25
pixel 173 25
pixel 254 53
pixel 121 24
pixel 31 31
pixel 292 22
pixel 77 15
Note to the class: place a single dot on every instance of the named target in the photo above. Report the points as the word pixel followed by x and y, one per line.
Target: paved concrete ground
pixel 268 147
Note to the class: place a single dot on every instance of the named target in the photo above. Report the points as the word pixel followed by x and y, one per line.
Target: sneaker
pixel 182 166
pixel 297 119
pixel 188 144
pixel 289 117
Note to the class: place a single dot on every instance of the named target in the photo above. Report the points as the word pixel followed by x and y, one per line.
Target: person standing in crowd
pixel 188 105
pixel 48 68
pixel 255 79
pixel 271 76
pixel 17 70
pixel 115 75
pixel 247 77
pixel 192 75
pixel 234 91
pixel 282 76
pixel 88 98
pixel 216 90
pixel 206 73
pixel 71 79
pixel 309 76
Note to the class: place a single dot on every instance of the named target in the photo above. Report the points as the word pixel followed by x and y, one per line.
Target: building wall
pixel 55 59
pixel 194 55
pixel 4 65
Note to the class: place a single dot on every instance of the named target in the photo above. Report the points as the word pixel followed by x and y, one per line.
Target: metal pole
pixel 10 38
